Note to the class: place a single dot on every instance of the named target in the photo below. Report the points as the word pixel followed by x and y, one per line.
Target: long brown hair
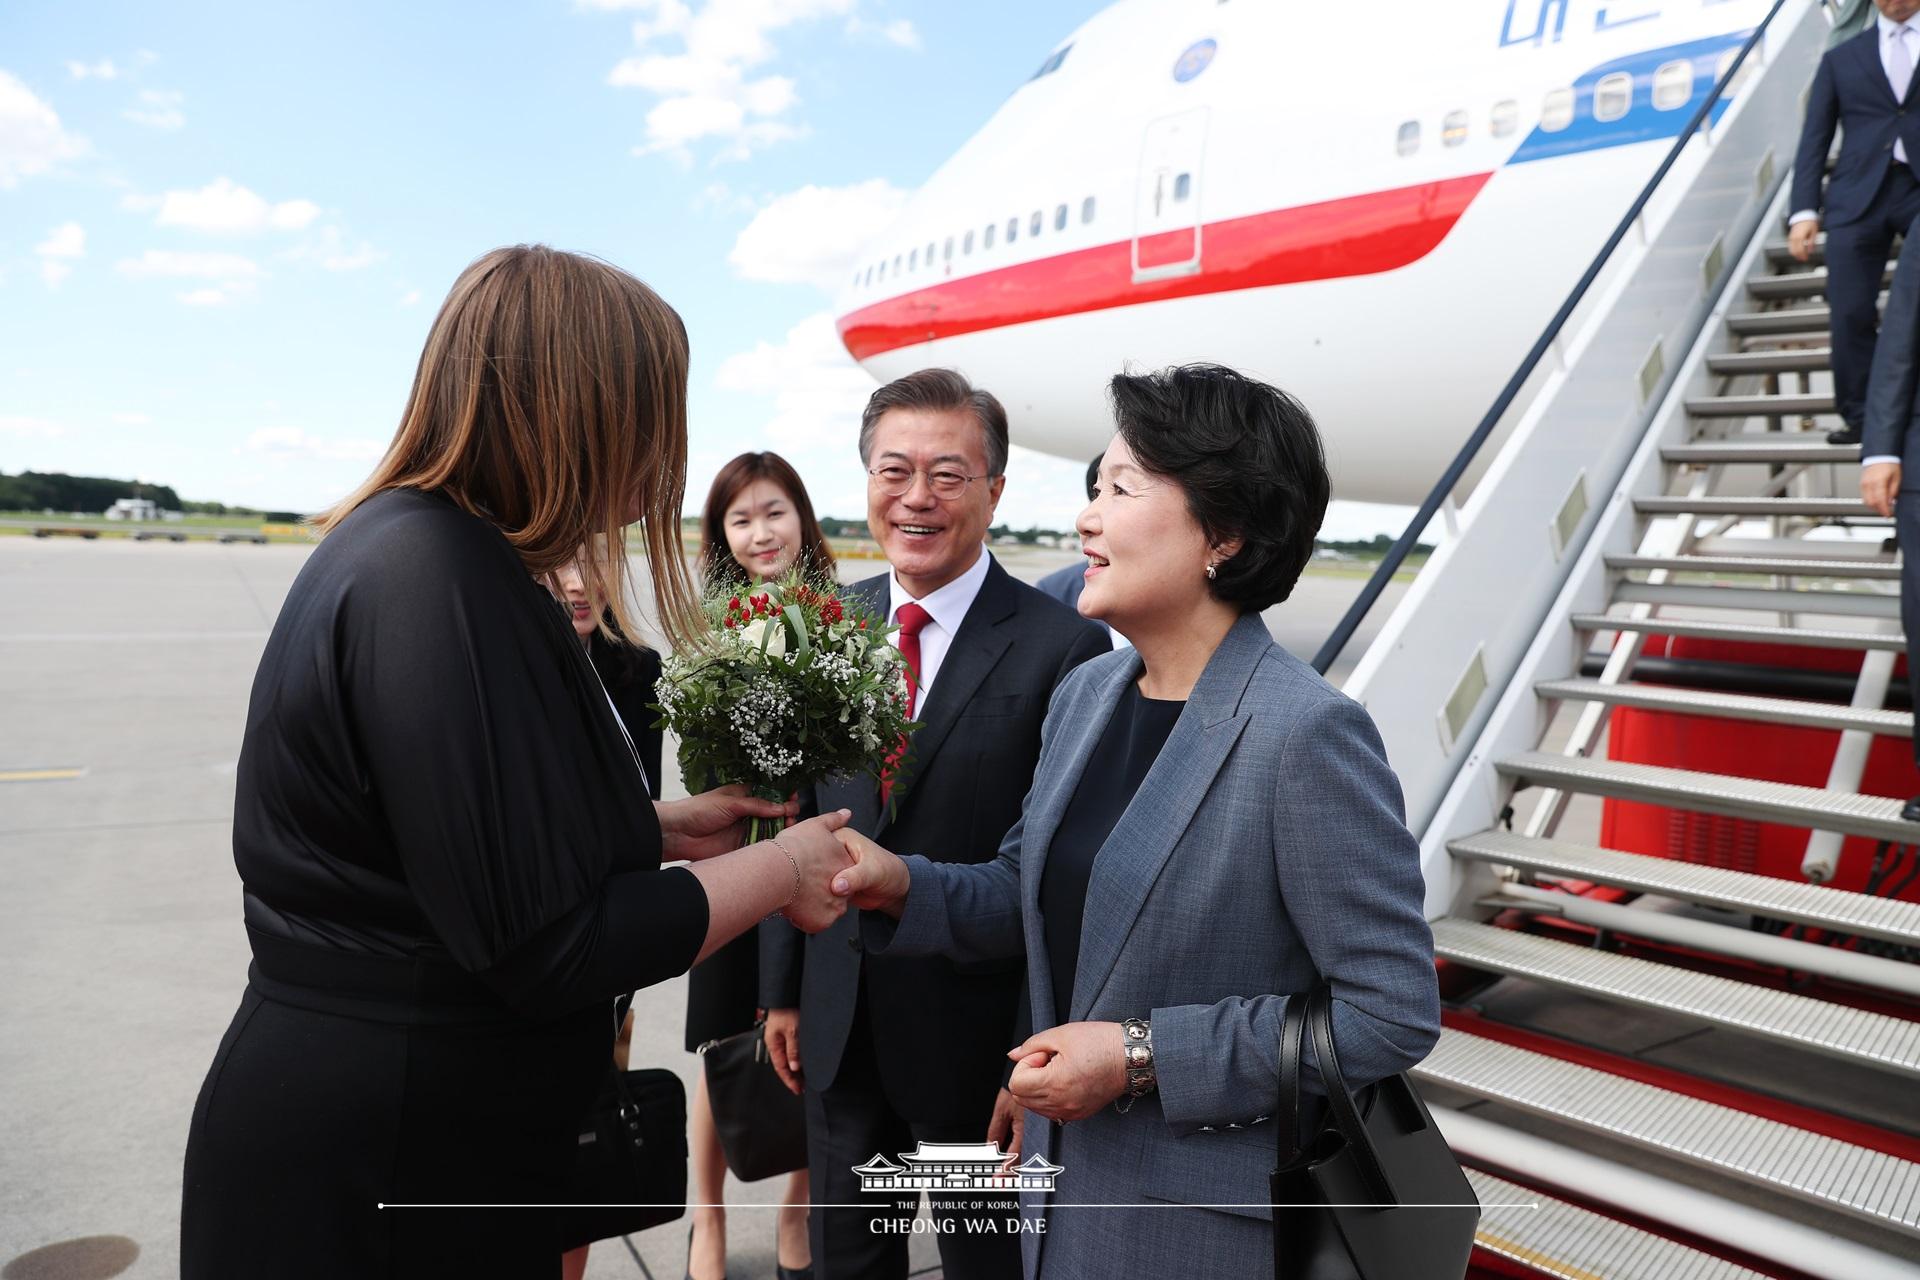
pixel 716 557
pixel 551 400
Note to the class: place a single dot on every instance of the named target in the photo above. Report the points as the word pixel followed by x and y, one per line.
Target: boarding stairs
pixel 1686 1067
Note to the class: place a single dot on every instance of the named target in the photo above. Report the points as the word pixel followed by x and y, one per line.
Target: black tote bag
pixel 632 1158
pixel 1376 1194
pixel 762 1127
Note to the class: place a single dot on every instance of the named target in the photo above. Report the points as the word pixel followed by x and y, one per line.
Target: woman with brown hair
pixel 450 863
pixel 757 524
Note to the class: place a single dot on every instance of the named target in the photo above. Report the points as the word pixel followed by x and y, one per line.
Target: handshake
pixel 838 867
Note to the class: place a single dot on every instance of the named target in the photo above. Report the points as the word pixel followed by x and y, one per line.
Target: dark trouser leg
pixel 1856 259
pixel 990 1252
pixel 847 1125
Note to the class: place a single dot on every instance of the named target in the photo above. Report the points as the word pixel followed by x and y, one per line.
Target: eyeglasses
pixel 946 484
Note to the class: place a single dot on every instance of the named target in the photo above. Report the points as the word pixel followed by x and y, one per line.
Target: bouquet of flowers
pixel 795 685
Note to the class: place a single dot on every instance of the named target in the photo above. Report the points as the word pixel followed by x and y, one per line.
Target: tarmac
pixel 124 675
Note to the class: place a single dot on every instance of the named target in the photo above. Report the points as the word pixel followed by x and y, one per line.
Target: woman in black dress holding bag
pixel 450 863
pixel 757 524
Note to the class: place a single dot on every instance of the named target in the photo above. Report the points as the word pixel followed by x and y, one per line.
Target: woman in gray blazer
pixel 1211 828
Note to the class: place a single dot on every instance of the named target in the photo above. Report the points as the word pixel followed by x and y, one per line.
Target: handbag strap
pixel 1286 1114
pixel 1346 1113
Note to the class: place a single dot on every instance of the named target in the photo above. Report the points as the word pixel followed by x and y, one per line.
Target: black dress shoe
pixel 1910 812
pixel 1846 435
pixel 792 1273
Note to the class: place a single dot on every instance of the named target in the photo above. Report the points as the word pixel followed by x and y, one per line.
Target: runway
pixel 124 675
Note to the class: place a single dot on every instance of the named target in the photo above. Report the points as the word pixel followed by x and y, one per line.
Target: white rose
pixel 770 631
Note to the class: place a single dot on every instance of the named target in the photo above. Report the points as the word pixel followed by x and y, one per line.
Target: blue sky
pixel 224 228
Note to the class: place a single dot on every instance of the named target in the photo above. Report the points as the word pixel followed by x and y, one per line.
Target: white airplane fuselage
pixel 1376 207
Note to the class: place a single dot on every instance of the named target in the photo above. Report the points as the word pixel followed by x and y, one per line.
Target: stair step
pixel 1851 604
pixel 1555 1238
pixel 1772 566
pixel 1870 1039
pixel 1794 901
pixel 1780 256
pixel 1801 448
pixel 1816 637
pixel 1803 283
pixel 1829 508
pixel 1808 1166
pixel 1748 406
pixel 1784 338
pixel 1731 706
pixel 1807 360
pixel 1876 817
pixel 1810 320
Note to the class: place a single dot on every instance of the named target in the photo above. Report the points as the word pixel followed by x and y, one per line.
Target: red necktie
pixel 912 619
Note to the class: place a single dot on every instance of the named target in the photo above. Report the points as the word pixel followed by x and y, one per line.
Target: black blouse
pixel 431 769
pixel 1115 769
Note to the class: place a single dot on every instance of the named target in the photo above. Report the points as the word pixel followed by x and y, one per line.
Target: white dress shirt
pixel 947 607
pixel 1889 32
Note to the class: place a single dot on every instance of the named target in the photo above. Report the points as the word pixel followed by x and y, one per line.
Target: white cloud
pixel 158 109
pixel 410 297
pixel 31 137
pixel 708 90
pixel 101 70
pixel 294 443
pixel 899 32
pixel 817 389
pixel 230 276
pixel 330 248
pixel 223 205
pixel 17 426
pixel 813 235
pixel 57 252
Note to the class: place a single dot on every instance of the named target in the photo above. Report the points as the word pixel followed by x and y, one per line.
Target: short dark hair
pixel 940 390
pixel 1093 475
pixel 1249 459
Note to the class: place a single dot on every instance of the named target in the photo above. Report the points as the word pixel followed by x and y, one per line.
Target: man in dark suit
pixel 896 1051
pixel 1865 87
pixel 1890 462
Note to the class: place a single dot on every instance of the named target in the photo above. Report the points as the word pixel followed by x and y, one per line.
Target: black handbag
pixel 1376 1194
pixel 632 1158
pixel 763 1127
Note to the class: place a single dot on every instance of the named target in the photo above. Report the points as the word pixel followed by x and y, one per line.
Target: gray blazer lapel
pixel 971 657
pixel 1182 776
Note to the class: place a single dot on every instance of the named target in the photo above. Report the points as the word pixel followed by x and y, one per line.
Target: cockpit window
pixel 1052 64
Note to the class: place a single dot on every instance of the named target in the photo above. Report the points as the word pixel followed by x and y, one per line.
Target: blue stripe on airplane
pixel 1643 122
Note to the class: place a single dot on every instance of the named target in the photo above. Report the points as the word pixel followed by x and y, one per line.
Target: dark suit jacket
pixel 1890 427
pixel 942 1029
pixel 1850 91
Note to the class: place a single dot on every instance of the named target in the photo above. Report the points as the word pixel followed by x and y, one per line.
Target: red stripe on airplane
pixel 1353 236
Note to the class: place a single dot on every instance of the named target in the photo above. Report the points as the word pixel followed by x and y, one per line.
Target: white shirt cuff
pixel 1878 458
pixel 1799 216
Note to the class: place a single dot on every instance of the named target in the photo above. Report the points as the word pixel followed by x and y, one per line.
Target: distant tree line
pixel 1377 545
pixel 38 491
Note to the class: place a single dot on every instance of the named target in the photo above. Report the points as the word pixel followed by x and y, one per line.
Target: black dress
pixel 1119 763
pixel 450 870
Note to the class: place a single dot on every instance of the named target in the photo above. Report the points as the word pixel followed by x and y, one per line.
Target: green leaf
pixel 798 621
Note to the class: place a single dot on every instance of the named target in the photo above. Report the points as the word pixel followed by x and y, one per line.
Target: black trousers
pixel 850 1123
pixel 1906 526
pixel 1856 261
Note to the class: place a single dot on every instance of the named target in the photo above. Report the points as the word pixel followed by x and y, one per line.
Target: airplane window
pixel 966 245
pixel 1453 129
pixel 986 237
pixel 869 275
pixel 1033 223
pixel 1673 85
pixel 1086 210
pixel 1613 96
pixel 896 264
pixel 1060 218
pixel 929 253
pixel 1013 230
pixel 1052 64
pixel 948 255
pixel 1556 113
pixel 881 275
pixel 1506 118
pixel 1182 187
pixel 1408 140
pixel 913 260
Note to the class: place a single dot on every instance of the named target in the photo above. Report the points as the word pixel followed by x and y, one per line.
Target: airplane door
pixel 1166 202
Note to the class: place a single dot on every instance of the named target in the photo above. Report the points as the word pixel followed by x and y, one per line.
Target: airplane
pixel 1377 207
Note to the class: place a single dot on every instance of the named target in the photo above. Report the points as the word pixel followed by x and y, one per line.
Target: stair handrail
pixel 1357 612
